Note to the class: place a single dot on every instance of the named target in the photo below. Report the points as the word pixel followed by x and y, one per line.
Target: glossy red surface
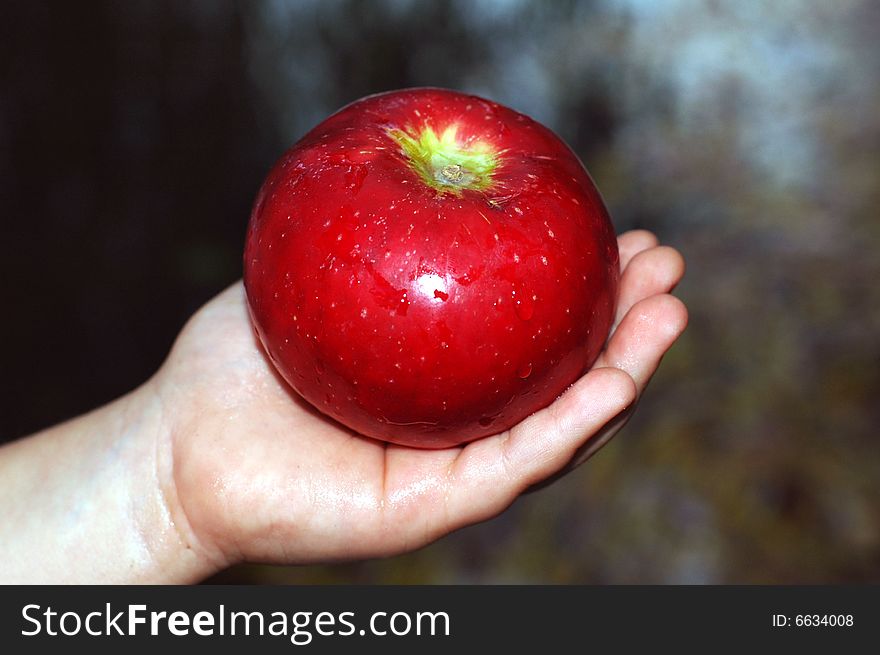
pixel 419 317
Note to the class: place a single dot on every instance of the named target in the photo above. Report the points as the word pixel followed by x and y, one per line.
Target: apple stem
pixel 443 163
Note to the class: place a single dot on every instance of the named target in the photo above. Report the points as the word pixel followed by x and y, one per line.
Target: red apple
pixel 429 267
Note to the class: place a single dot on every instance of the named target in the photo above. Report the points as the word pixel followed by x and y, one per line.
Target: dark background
pixel 134 135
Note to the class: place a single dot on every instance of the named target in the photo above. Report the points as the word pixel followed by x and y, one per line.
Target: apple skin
pixel 422 313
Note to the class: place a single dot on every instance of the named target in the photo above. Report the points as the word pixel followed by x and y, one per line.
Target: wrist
pixel 97 504
pixel 176 554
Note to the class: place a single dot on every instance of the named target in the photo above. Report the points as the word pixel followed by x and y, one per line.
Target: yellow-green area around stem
pixel 443 163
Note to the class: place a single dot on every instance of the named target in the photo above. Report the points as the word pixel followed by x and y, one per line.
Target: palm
pixel 260 475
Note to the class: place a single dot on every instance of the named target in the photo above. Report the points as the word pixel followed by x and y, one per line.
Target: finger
pixel 489 474
pixel 590 447
pixel 675 319
pixel 644 335
pixel 632 243
pixel 652 271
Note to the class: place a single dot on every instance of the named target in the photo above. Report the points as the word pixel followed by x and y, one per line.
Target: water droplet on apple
pixel 523 304
pixel 354 178
pixel 403 305
pixel 525 371
pixel 471 276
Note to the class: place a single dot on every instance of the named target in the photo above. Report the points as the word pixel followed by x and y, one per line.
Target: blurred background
pixel 134 136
